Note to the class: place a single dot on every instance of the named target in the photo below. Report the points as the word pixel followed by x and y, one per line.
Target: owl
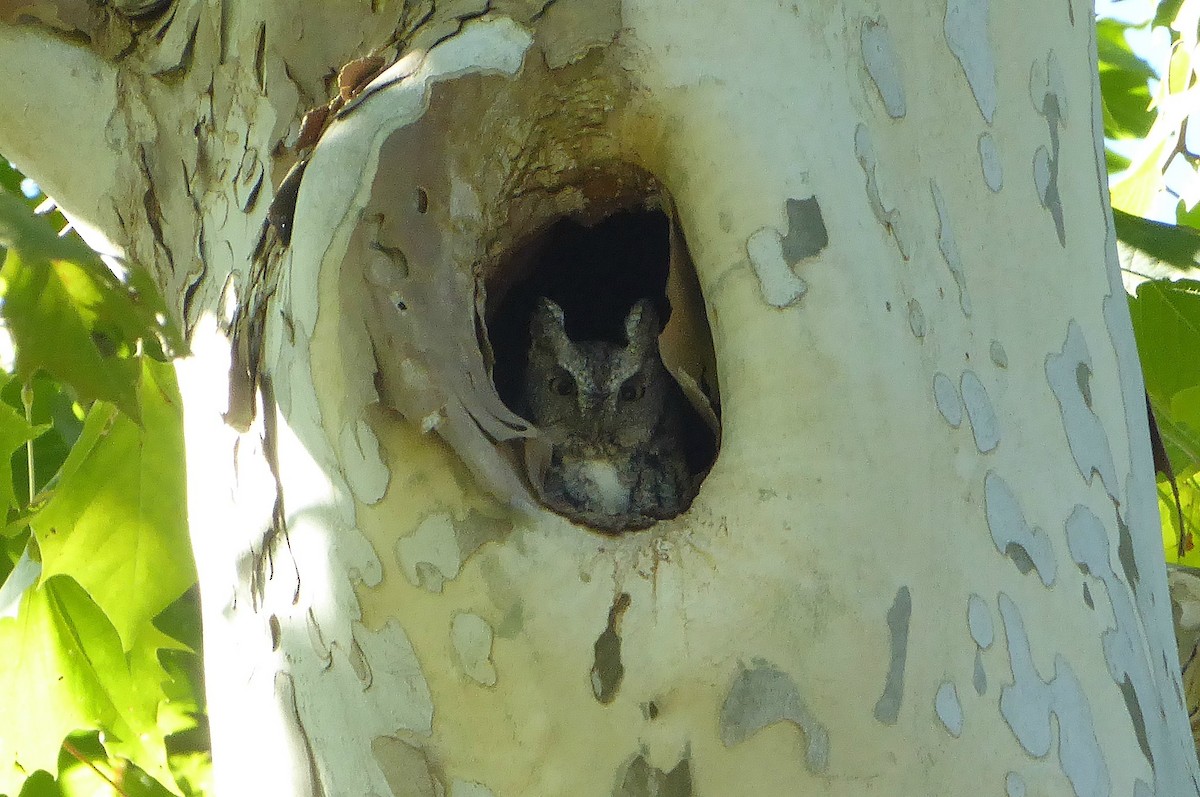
pixel 610 453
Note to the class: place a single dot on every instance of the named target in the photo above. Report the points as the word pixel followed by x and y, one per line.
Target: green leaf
pixel 1179 426
pixel 1115 162
pixel 54 410
pixel 10 178
pixel 71 316
pixel 1166 323
pixel 1170 250
pixel 63 670
pixel 1136 191
pixel 1166 13
pixel 15 432
pixel 116 522
pixel 1124 83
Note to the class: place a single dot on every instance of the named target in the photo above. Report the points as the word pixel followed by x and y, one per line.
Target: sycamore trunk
pixel 930 527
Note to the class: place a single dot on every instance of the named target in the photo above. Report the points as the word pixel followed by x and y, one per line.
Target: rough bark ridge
pixel 931 526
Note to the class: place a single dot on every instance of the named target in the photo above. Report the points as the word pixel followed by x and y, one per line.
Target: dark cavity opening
pixel 596 273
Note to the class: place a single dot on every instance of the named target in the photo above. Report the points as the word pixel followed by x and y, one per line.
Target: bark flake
pixel 883 65
pixel 1085 433
pixel 405 767
pixel 989 161
pixel 887 708
pixel 640 778
pixel 979 620
pixel 764 696
pixel 984 424
pixel 806 235
pixel 1028 546
pixel 966 32
pixel 889 217
pixel 949 249
pixel 1029 702
pixel 949 709
pixel 998 354
pixel 945 395
pixel 472 639
pixel 1088 542
pixel 468 788
pixel 780 287
pixel 916 319
pixel 607 669
pixel 1047 90
pixel 435 551
pixel 979 677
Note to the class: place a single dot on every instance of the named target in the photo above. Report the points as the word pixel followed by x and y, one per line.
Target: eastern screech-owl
pixel 610 418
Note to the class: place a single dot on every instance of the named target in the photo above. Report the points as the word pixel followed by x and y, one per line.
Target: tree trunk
pixel 931 524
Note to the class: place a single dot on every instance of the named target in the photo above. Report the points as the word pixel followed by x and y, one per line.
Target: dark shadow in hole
pixel 595 274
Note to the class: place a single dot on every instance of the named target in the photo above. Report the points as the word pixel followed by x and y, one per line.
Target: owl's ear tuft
pixel 642 322
pixel 548 324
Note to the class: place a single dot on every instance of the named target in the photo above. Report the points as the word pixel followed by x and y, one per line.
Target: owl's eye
pixel 632 390
pixel 562 384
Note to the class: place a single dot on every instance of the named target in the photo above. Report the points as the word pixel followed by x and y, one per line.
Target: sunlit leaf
pixel 1115 162
pixel 1124 83
pixel 1155 250
pixel 116 522
pixel 53 410
pixel 1166 321
pixel 1179 427
pixel 1166 12
pixel 15 432
pixel 63 670
pixel 71 316
pixel 1136 191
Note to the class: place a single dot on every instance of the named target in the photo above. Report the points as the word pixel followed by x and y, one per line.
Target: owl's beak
pixel 591 406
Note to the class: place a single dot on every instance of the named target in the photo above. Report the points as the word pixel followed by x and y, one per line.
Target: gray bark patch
pixel 887 708
pixel 864 151
pixel 1047 90
pixel 1025 545
pixel 639 778
pixel 405 767
pixel 945 395
pixel 1088 542
pixel 1125 550
pixel 1027 706
pixel 779 285
pixel 1085 433
pixel 949 249
pixel 979 620
pixel 916 319
pixel 998 354
pixel 879 54
pixel 984 424
pixel 774 256
pixel 764 696
pixel 948 709
pixel 607 668
pixel 989 162
pixel 966 32
pixel 806 235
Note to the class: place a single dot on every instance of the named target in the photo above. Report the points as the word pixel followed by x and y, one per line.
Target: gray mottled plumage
pixel 610 422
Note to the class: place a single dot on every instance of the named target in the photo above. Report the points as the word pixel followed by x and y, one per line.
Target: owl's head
pixel 595 392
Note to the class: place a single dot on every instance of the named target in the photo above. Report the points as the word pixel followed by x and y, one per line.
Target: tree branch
pixel 58 99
